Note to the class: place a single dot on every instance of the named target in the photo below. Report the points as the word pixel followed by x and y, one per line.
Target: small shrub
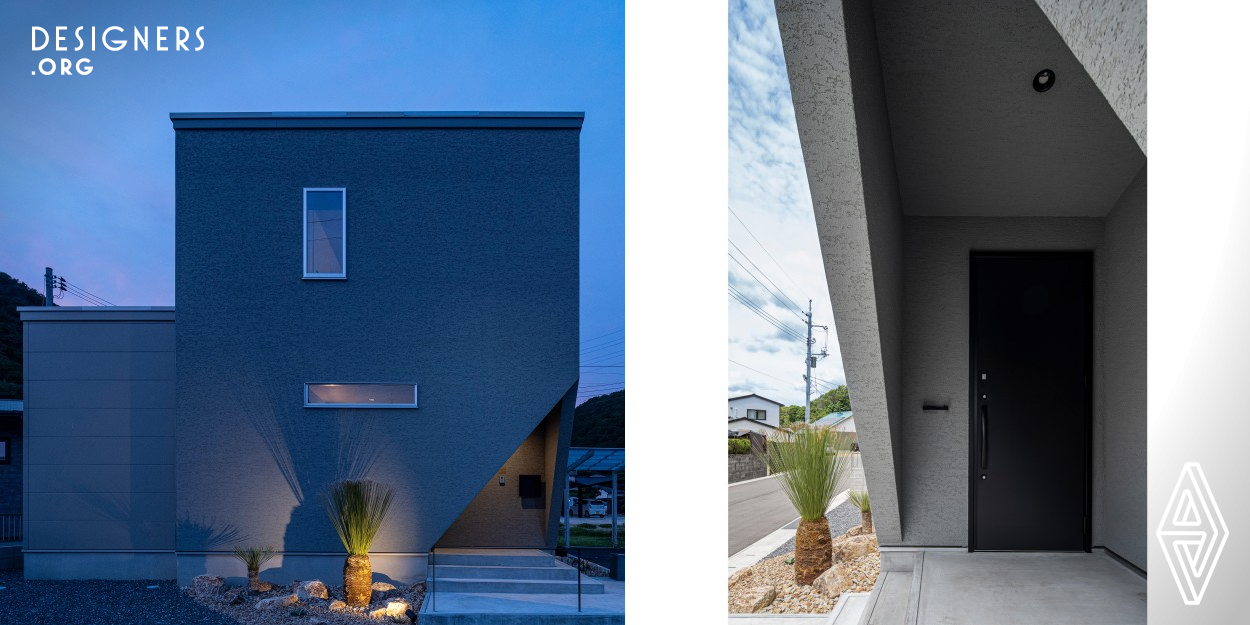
pixel 739 446
pixel 859 499
pixel 253 558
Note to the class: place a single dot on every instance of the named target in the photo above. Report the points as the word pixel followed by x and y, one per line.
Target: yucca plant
pixel 859 499
pixel 357 509
pixel 254 558
pixel 810 464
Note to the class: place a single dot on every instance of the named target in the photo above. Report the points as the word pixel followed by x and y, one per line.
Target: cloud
pixel 776 241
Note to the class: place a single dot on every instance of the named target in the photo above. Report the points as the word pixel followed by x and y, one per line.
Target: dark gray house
pixel 382 295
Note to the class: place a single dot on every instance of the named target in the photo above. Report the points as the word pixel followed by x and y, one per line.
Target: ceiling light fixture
pixel 1043 81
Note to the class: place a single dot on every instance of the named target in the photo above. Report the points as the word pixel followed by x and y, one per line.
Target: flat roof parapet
pixel 376 119
pixel 96 313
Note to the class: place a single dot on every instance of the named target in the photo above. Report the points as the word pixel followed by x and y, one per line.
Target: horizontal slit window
pixel 326 395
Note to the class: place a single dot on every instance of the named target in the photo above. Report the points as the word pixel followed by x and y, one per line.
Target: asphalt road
pixel 756 509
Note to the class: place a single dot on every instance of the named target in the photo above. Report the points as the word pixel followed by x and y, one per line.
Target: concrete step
pixel 849 610
pixel 460 571
pixel 895 598
pixel 493 618
pixel 889 606
pixel 515 586
pixel 492 557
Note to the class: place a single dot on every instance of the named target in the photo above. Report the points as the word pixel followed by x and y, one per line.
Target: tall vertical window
pixel 325 233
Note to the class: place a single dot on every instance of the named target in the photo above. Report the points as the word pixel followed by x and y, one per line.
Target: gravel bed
pixel 841 518
pixel 747 586
pixel 100 602
pixel 311 611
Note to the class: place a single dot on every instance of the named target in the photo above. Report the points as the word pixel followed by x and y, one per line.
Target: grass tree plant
pixel 859 499
pixel 253 558
pixel 811 465
pixel 357 509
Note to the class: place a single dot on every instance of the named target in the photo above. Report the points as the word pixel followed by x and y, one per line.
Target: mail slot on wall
pixel 531 491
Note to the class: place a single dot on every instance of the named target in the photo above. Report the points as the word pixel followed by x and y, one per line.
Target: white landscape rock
pixel 277 602
pixel 832 582
pixel 206 585
pixel 383 590
pixel 312 589
pixel 337 606
pixel 755 599
pixel 394 608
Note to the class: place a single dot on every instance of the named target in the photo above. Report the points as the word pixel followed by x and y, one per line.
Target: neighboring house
pixel 740 426
pixel 10 469
pixel 984 239
pixel 334 273
pixel 755 408
pixel 840 421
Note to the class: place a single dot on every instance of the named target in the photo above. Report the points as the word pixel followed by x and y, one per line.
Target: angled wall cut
pixel 923 142
pixel 532 517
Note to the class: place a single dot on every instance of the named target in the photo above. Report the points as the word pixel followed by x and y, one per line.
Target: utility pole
pixel 47 286
pixel 810 363
pixel 806 396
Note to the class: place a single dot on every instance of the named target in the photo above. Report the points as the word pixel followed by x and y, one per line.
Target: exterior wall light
pixel 1043 81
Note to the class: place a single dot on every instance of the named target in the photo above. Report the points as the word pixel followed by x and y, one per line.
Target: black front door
pixel 1030 417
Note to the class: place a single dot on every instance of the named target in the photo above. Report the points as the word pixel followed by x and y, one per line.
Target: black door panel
pixel 1031 346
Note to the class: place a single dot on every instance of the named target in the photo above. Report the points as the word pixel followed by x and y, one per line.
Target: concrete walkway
pixel 462 608
pixel 1029 589
pixel 939 587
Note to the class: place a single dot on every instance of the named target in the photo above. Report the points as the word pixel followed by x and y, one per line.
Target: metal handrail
pixel 580 567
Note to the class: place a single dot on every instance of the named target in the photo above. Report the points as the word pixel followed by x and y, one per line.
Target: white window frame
pixel 304 260
pixel 311 405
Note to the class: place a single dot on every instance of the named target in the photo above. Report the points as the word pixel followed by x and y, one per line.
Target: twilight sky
pixel 88 184
pixel 780 267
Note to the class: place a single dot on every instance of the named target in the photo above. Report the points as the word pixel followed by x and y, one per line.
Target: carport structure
pixel 609 460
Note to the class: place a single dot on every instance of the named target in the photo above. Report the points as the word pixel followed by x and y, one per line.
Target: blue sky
pixel 88 183
pixel 778 265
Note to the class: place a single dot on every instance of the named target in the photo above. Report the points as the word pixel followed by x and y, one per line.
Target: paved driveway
pixel 756 509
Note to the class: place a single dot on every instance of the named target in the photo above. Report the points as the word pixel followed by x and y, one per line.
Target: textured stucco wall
pixel 937 290
pixel 1123 502
pixel 462 276
pixel 1109 38
pixel 99 454
pixel 844 132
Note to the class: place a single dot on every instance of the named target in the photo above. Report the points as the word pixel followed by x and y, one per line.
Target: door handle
pixel 985 438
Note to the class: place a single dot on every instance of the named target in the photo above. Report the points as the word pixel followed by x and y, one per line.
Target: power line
pixel 762 373
pixel 761 313
pixel 798 309
pixel 770 256
pixel 612 345
pixel 84 295
pixel 603 335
